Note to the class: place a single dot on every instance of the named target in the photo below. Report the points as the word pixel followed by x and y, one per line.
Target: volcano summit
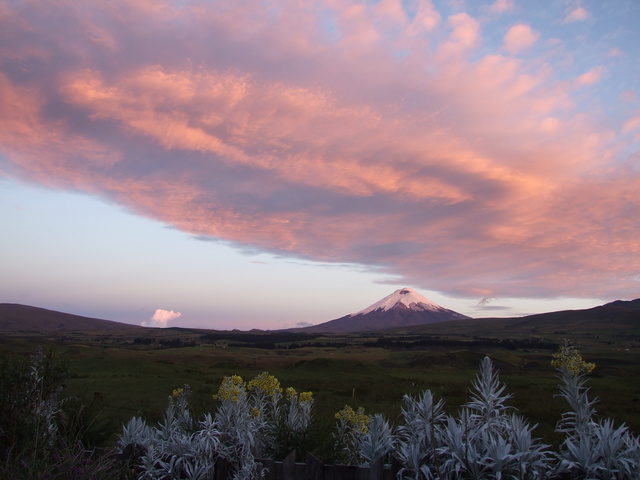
pixel 403 308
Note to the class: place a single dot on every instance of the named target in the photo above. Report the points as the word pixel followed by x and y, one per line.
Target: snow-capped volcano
pixel 405 298
pixel 403 308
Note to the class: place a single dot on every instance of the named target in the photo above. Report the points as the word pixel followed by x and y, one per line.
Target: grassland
pixel 119 375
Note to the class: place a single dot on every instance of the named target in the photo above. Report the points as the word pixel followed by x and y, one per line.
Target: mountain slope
pixel 618 317
pixel 23 318
pixel 404 307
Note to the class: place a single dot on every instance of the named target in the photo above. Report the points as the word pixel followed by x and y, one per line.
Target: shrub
pixel 351 427
pixel 40 434
pixel 488 441
pixel 592 448
pixel 416 440
pixel 252 420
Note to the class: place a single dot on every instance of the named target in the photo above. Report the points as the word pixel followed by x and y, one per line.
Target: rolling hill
pixel 23 318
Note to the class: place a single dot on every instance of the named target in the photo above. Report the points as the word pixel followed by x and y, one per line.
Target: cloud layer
pixel 393 134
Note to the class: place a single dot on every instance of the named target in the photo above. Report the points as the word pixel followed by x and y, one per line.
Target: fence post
pixel 314 468
pixel 376 470
pixel 289 467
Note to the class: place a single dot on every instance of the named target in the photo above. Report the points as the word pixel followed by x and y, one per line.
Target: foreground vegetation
pixel 421 426
pixel 485 440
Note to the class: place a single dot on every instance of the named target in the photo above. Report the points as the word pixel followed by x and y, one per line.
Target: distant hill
pixel 612 318
pixel 618 316
pixel 23 318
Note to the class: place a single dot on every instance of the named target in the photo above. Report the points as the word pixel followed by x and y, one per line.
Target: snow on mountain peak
pixel 405 298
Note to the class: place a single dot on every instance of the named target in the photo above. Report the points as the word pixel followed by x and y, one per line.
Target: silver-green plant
pixel 486 441
pixel 298 412
pixel 418 437
pixel 351 427
pixel 377 442
pixel 294 425
pixel 178 447
pixel 362 439
pixel 264 394
pixel 256 422
pixel 136 432
pixel 240 425
pixel 592 449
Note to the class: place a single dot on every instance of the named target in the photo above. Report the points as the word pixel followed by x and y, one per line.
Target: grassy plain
pixel 119 376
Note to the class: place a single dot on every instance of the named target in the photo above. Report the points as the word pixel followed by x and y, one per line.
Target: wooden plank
pixel 314 468
pixel 345 472
pixel 363 473
pixel 300 468
pixel 289 467
pixel 376 472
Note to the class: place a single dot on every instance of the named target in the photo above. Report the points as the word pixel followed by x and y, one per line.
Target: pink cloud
pixel 502 6
pixel 578 14
pixel 464 35
pixel 590 77
pixel 631 124
pixel 161 318
pixel 520 37
pixel 628 96
pixel 336 131
pixel 615 52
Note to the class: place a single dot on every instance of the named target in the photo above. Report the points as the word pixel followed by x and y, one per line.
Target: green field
pixel 118 377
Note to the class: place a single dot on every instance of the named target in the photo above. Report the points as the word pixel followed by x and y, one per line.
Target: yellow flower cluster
pixel 291 392
pixel 177 392
pixel 231 388
pixel 306 397
pixel 357 419
pixel 255 413
pixel 569 358
pixel 268 384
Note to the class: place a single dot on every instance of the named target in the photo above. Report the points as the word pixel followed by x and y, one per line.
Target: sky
pixel 267 164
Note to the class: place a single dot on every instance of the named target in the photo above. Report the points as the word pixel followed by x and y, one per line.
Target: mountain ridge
pixel 15 317
pixel 618 314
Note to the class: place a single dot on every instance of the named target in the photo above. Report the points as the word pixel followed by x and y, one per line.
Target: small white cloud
pixel 303 324
pixel 161 318
pixel 578 14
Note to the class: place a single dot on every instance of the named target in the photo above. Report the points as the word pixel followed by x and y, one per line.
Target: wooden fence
pixel 314 469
